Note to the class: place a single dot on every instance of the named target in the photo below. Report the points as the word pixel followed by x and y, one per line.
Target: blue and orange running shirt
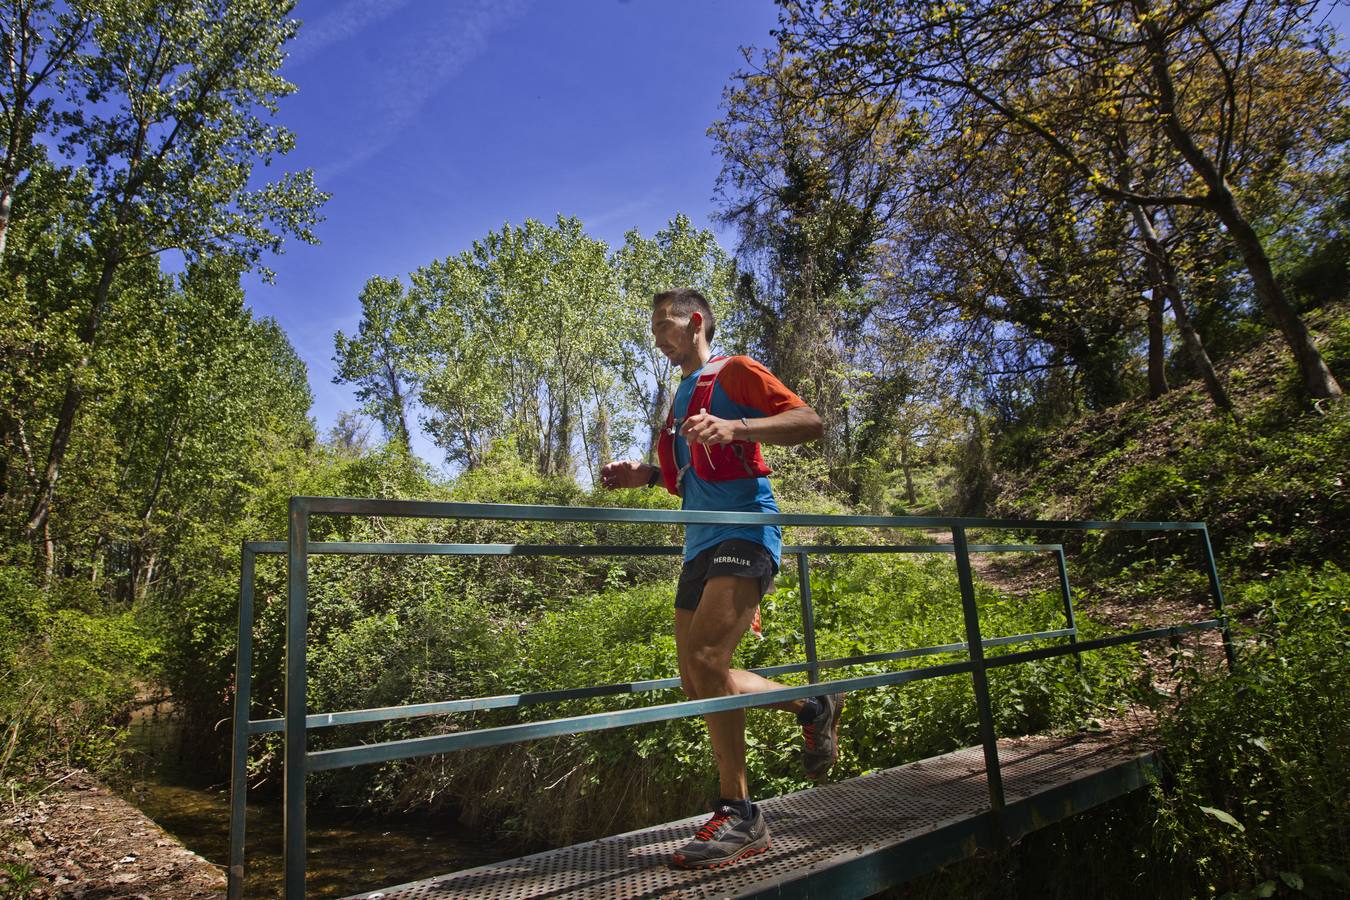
pixel 744 389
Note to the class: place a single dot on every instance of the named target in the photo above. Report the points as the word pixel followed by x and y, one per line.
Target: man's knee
pixel 708 668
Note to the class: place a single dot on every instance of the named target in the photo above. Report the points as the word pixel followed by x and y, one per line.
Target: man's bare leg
pixel 705 640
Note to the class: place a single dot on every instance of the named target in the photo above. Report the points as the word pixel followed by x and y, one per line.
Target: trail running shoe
pixel 723 839
pixel 821 737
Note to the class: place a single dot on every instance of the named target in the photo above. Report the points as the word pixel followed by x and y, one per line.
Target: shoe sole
pixel 752 850
pixel 834 726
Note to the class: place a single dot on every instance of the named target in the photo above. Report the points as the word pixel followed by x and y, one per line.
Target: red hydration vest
pixel 711 462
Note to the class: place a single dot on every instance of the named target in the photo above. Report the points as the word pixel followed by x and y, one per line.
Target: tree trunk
pixel 911 499
pixel 48 550
pixel 6 204
pixel 141 578
pixel 603 452
pixel 401 419
pixel 1168 284
pixel 657 419
pixel 562 452
pixel 9 176
pixel 1157 341
pixel 40 513
pixel 1317 378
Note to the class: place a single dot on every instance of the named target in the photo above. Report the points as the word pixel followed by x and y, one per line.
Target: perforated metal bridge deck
pixel 849 839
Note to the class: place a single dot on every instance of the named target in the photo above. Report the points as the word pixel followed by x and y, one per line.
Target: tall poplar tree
pixel 677 256
pixel 379 358
pixel 180 97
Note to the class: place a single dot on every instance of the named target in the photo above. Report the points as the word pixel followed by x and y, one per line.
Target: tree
pixel 1193 75
pixel 380 358
pixel 1004 253
pixel 521 341
pixel 39 43
pixel 811 182
pixel 676 256
pixel 176 121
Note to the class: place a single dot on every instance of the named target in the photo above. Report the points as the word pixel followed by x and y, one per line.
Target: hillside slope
pixel 1273 483
pixel 1252 798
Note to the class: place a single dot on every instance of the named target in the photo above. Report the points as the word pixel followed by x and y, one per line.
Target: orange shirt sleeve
pixel 748 383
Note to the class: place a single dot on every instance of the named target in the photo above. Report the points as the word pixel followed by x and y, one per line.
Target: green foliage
pixel 1252 798
pixel 179 101
pixel 66 674
pixel 517 339
pixel 379 359
pixel 1255 788
pixel 17 880
pixel 141 414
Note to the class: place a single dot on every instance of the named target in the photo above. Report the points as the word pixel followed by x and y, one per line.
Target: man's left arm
pixel 793 426
pixel 787 420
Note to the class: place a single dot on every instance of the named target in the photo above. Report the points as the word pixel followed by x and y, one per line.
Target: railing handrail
pixel 376 714
pixel 372 715
pixel 523 512
pixel 298 761
pixel 393 548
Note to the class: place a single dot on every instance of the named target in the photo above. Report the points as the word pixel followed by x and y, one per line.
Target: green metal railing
pixel 299 761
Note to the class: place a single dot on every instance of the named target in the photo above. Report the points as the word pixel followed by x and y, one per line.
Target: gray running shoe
pixel 821 738
pixel 724 839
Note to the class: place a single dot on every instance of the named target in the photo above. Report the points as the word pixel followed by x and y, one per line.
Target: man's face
pixel 673 334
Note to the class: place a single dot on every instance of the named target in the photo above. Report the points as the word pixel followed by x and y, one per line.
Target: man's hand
pixel 703 428
pixel 625 474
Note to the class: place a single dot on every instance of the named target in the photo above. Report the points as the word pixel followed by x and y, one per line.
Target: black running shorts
pixel 746 559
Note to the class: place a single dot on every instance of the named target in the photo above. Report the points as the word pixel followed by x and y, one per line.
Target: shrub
pixel 66 675
pixel 1255 797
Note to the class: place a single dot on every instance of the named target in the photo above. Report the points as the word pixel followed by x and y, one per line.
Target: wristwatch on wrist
pixel 655 476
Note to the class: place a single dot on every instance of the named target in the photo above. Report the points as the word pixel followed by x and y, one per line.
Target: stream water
pixel 347 853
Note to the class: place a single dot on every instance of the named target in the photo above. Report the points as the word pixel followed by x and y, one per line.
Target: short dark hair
pixel 684 301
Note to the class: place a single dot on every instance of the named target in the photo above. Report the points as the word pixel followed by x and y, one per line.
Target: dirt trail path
pixel 79 839
pixel 1022 573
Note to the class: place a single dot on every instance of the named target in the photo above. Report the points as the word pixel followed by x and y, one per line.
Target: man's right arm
pixel 629 474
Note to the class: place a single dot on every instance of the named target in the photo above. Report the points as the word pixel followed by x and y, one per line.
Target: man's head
pixel 684 305
pixel 681 319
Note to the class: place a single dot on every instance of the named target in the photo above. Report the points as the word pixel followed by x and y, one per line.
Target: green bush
pixel 1252 798
pixel 66 675
pixel 1255 796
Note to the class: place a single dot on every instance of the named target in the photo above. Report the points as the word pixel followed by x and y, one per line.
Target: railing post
pixel 1068 607
pixel 808 617
pixel 1217 592
pixel 243 693
pixel 297 579
pixel 975 643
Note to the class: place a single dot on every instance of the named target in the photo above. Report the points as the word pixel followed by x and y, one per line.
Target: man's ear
pixel 696 319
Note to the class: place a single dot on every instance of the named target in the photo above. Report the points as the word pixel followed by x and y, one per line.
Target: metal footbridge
pixel 849 839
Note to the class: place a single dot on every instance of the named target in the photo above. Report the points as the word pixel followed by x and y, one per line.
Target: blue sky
pixel 433 122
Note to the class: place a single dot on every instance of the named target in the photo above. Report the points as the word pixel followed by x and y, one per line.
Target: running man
pixel 709 452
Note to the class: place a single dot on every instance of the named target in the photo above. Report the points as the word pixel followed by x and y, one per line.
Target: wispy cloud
pixel 621 217
pixel 341 24
pixel 433 55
